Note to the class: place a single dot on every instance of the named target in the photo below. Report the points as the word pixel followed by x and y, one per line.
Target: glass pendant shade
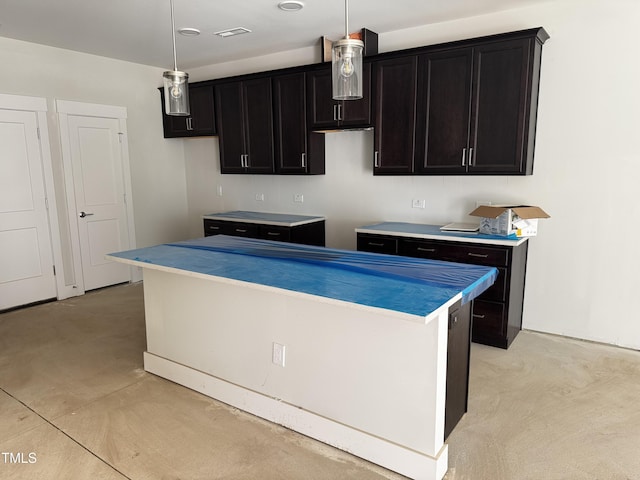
pixel 346 60
pixel 176 93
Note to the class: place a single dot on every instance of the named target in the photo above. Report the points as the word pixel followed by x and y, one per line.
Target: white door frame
pixel 39 106
pixel 64 108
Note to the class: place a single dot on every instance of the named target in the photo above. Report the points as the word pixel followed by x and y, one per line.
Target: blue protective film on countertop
pixel 403 284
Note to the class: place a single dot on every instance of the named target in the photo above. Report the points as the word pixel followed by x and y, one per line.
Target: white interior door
pixel 100 203
pixel 26 259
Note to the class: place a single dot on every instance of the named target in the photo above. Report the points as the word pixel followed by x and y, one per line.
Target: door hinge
pixel 38 132
pixel 120 134
pixel 54 270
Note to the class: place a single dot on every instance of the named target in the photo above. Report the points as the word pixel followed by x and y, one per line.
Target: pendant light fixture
pixel 176 83
pixel 346 61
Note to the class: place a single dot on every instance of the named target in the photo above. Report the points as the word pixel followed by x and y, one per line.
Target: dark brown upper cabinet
pixel 395 115
pixel 297 150
pixel 244 116
pixel 477 108
pixel 325 113
pixel 200 123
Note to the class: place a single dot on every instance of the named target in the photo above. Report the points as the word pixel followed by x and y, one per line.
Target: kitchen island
pixel 349 348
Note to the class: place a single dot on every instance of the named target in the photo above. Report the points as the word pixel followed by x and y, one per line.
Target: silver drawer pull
pixel 274 234
pixel 373 244
pixel 422 249
pixel 478 255
pixel 478 316
pixel 241 230
pixel 213 228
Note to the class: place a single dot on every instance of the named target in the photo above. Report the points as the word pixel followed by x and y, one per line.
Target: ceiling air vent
pixel 230 32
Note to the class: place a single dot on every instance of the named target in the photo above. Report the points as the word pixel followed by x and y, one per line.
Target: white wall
pixel 157 165
pixel 581 278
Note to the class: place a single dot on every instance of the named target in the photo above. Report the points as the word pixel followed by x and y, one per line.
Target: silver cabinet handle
pixel 246 160
pixel 189 124
pixel 471 159
pixel 464 154
pixel 477 316
pixel 304 160
pixel 422 249
pixel 374 244
pixel 478 255
pixel 339 111
pixel 85 214
pixel 376 163
pixel 241 230
pixel 335 112
pixel 274 234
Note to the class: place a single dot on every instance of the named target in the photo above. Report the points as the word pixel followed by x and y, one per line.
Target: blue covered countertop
pixel 407 285
pixel 433 232
pixel 263 218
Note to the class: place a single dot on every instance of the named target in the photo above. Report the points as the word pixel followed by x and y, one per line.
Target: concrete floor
pixel 75 403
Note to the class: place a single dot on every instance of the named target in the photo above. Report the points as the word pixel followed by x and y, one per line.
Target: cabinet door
pixel 358 112
pixel 442 125
pixel 201 102
pixel 322 109
pixel 258 125
pixel 245 126
pixel 499 105
pixel 290 123
pixel 395 100
pixel 324 112
pixel 230 120
pixel 201 122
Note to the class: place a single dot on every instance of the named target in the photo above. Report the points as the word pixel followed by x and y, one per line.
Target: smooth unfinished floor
pixel 74 396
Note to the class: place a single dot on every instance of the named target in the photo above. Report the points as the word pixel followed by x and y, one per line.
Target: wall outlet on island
pixel 419 203
pixel 278 354
pixel 259 197
pixel 298 198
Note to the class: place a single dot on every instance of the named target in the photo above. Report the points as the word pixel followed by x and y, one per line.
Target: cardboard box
pixel 519 220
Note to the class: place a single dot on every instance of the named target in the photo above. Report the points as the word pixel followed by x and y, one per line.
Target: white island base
pixel 369 381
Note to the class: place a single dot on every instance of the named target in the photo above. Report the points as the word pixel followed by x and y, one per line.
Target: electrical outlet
pixel 419 203
pixel 259 197
pixel 278 354
pixel 298 198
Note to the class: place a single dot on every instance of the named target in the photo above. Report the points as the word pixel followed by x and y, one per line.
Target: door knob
pixel 84 214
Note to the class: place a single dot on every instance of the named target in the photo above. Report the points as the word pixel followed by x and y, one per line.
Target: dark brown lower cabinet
pixel 497 313
pixel 458 350
pixel 308 233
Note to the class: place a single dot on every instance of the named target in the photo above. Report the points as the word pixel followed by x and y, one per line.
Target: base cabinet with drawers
pixel 497 313
pixel 277 227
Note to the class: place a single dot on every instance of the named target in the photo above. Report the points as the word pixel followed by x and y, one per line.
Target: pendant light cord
pixel 346 18
pixel 173 35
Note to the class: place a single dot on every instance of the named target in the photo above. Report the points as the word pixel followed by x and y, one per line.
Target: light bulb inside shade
pixel 176 93
pixel 347 69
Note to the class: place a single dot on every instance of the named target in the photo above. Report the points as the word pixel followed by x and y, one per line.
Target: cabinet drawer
pixel 213 227
pixel 272 232
pixel 241 229
pixel 479 255
pixel 488 319
pixel 377 244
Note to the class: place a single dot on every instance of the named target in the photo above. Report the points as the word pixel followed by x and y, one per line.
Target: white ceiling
pixel 140 30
